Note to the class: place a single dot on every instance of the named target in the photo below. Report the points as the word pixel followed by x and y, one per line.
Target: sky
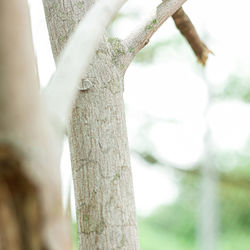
pixel 166 101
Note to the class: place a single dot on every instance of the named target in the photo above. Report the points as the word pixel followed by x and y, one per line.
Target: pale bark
pixel 30 204
pixel 75 58
pixel 98 142
pixel 97 132
pixel 139 38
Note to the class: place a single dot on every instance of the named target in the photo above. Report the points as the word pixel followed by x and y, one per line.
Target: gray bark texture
pixel 98 139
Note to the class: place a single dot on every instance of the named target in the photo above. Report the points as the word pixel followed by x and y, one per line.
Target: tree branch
pixel 187 29
pixel 138 39
pixel 75 58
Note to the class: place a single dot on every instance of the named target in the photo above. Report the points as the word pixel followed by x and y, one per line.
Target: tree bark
pixel 98 139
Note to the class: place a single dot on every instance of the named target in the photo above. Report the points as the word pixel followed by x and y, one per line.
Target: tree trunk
pixel 208 229
pixel 98 140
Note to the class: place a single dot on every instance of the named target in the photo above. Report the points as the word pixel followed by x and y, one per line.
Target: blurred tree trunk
pixel 98 140
pixel 208 229
pixel 208 217
pixel 30 199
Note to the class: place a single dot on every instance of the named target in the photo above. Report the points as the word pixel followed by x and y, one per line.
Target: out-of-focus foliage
pixel 169 227
pixel 175 226
pixel 235 165
pixel 236 87
pixel 235 210
pixel 148 54
pixel 74 236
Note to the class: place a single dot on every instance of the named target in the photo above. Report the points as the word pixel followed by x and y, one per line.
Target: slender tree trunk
pixel 98 140
pixel 209 210
pixel 100 158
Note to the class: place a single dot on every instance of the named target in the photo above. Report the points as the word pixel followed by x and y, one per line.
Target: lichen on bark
pixel 98 144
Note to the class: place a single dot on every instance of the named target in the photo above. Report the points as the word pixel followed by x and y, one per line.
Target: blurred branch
pixel 75 58
pixel 140 38
pixel 224 178
pixel 187 29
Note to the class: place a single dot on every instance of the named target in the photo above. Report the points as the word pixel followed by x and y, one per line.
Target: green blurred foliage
pixel 147 55
pixel 235 210
pixel 237 87
pixel 174 227
pixel 74 236
pixel 152 237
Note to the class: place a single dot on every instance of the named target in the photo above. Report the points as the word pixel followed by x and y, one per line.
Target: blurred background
pixel 188 126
